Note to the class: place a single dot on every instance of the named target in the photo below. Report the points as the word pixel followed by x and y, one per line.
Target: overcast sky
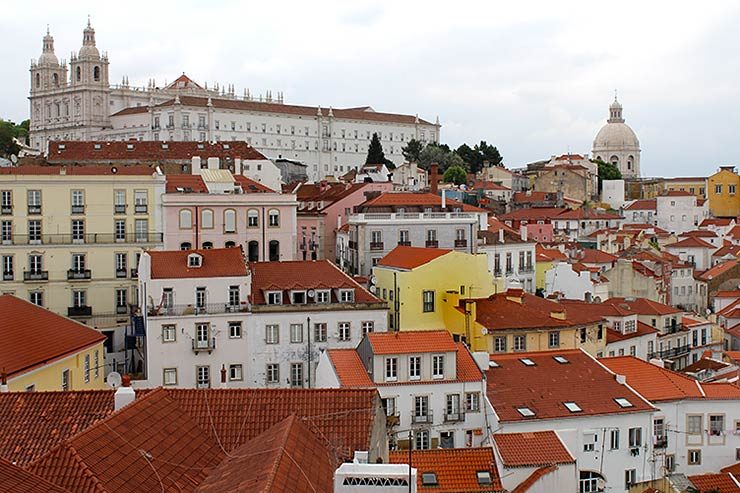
pixel 533 78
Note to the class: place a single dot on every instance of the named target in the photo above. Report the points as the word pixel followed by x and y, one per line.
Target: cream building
pixel 85 106
pixel 70 238
pixel 617 143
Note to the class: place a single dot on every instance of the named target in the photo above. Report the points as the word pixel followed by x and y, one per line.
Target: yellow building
pixel 694 185
pixel 545 259
pixel 44 351
pixel 70 238
pixel 423 286
pixel 722 188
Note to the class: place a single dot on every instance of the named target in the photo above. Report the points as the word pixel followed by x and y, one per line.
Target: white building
pixel 617 143
pixel 678 212
pixel 579 223
pixel 409 176
pixel 693 251
pixel 575 281
pixel 85 106
pixel 511 257
pixel 604 424
pixel 430 385
pixel 264 325
pixel 612 192
pixel 696 428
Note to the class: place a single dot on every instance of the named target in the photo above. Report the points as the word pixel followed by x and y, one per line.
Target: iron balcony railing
pixel 207 309
pixel 418 418
pixel 454 417
pixel 432 243
pixel 36 275
pixel 204 344
pixel 87 238
pixel 79 311
pixel 670 353
pixel 461 243
pixel 376 245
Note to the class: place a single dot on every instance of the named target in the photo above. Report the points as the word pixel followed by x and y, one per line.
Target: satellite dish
pixel 114 170
pixel 484 331
pixel 14 158
pixel 113 379
pixel 373 280
pixel 311 293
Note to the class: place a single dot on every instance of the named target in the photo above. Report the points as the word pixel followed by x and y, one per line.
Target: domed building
pixel 617 143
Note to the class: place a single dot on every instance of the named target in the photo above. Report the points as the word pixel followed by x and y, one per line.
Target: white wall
pixel 612 192
pixel 574 285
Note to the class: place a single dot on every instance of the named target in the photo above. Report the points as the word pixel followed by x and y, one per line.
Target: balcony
pixel 8 276
pixel 200 345
pixel 454 417
pixel 404 243
pixel 121 309
pixel 425 418
pixel 431 243
pixel 78 209
pixel 675 352
pixel 461 243
pixel 88 238
pixel 496 272
pixel 36 275
pixel 79 311
pixel 79 274
pixel 376 245
pixel 207 309
pixel 660 442
pixel 527 269
pixel 119 209
pixel 134 273
pixel 121 273
pixel 34 209
pixel 6 210
pixel 141 208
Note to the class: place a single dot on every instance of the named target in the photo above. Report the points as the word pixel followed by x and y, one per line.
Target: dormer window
pixel 298 297
pixel 623 402
pixel 323 296
pixel 346 295
pixel 130 147
pixel 61 147
pixel 195 260
pixel 274 297
pixel 97 147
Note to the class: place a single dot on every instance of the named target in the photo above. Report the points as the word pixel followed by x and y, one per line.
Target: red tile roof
pixel 690 242
pixel 677 193
pixel 643 306
pixel 717 270
pixel 349 368
pixel 532 479
pixel 642 330
pixel 733 250
pixel 548 384
pixel 416 199
pixel 183 82
pixel 488 185
pixel 152 151
pixel 303 275
pixel 195 184
pixel 33 336
pixel 13 479
pixel 426 341
pixel 642 205
pixel 701 233
pixel 78 170
pixel 328 193
pixel 456 468
pixel 532 196
pixel 533 214
pixel 467 369
pixel 286 457
pixel 587 214
pixel 734 469
pixel 408 257
pixel 593 256
pixel 216 262
pixel 528 449
pixel 549 254
pixel 716 221
pixel 734 232
pixel 722 483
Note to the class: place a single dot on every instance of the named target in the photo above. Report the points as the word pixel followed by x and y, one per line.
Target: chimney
pixel 125 394
pixel 621 379
pixel 434 178
pixel 323 185
pixel 501 235
pixel 444 200
pixel 523 232
pixel 4 382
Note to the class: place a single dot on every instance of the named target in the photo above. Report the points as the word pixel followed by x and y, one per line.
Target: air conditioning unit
pixel 634 451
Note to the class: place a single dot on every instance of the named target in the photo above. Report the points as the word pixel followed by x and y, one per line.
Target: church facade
pixel 76 101
pixel 617 143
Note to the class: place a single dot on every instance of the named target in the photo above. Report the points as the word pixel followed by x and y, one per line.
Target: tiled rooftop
pixel 408 257
pixel 13 479
pixel 106 151
pixel 643 306
pixel 216 262
pixel 529 449
pixel 404 342
pixel 416 199
pixel 349 368
pixel 722 483
pixel 33 170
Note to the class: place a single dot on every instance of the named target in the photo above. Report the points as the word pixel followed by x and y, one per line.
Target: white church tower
pixel 617 143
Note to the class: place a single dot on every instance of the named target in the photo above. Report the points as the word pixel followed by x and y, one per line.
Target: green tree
pixel 375 154
pixel 455 174
pixel 607 171
pixel 468 155
pixel 440 154
pixel 489 153
pixel 8 132
pixel 476 156
pixel 412 151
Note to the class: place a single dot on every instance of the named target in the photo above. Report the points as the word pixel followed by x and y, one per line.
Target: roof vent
pixel 621 379
pixel 429 479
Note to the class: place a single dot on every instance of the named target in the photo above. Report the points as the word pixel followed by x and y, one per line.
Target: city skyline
pixel 552 97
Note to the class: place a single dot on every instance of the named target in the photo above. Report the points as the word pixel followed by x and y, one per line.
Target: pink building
pixel 216 209
pixel 323 209
pixel 540 232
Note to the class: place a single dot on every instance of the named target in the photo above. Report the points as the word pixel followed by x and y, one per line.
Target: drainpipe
pixel 197 228
pixel 264 234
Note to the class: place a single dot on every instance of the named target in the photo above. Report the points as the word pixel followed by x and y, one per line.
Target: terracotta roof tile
pixel 549 254
pixel 690 242
pixel 467 369
pixel 533 214
pixel 716 221
pixel 33 336
pixel 152 151
pixel 303 275
pixel 78 170
pixel 416 199
pixel 642 329
pixel 532 479
pixel 548 384
pixel 528 449
pixel 593 256
pixel 700 233
pixel 349 368
pixel 408 257
pixel 456 469
pixel 722 483
pixel 13 479
pixel 717 270
pixel 587 214
pixel 653 382
pixel 643 306
pixel 195 184
pixel 427 341
pixel 216 262
pixel 642 205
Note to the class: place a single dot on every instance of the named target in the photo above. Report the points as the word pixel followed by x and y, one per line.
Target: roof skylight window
pixel 527 362
pixel 623 402
pixel 525 411
pixel 572 407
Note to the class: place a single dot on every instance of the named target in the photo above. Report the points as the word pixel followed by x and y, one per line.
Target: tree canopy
pixel 455 174
pixel 477 156
pixel 440 154
pixel 412 150
pixel 10 131
pixel 375 154
pixel 607 171
pixel 471 159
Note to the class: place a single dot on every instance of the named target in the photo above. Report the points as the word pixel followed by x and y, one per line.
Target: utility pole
pixel 410 447
pixel 308 339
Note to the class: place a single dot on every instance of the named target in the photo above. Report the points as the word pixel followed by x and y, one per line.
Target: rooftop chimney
pixel 434 178
pixel 523 232
pixel 444 200
pixel 4 382
pixel 125 394
pixel 501 235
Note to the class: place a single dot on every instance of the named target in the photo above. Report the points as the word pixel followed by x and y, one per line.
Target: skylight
pixel 493 364
pixel 623 402
pixel 484 477
pixel 429 478
pixel 560 360
pixel 573 407
pixel 525 411
pixel 527 362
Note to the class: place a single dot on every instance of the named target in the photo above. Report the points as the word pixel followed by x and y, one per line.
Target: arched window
pixel 614 160
pixel 207 245
pixel 590 481
pixel 630 160
pixel 206 219
pixel 186 219
pixel 229 244
pixel 96 73
pixel 186 245
pixel 274 251
pixel 55 79
pixel 229 221
pixel 253 251
pixel 274 217
pixel 253 218
pixel 78 74
pixel 38 80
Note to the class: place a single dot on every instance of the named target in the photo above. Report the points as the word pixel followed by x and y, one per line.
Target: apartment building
pixel 511 257
pixel 724 201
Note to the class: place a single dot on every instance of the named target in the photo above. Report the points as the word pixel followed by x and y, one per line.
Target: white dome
pixel 48 59
pixel 616 136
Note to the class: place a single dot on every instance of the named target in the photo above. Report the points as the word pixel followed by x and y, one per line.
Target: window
pixel 78 201
pixel 520 343
pixel 274 251
pixel 34 201
pixel 421 408
pixel 296 333
pixel 635 437
pixel 630 478
pixel 120 229
pixel 229 221
pixel 79 298
pixel 96 368
pixel 274 218
pixel 367 326
pixel 438 366
pixel 200 297
pixel 346 295
pixel 391 369
pixel 344 331
pixel 428 301
pixel 65 380
pixel 186 219
pixel 572 407
pixel 274 298
pixel 694 424
pixel 272 373
pixel 670 462
pixel 525 411
pixel 34 231
pixel 472 402
pixel 78 230
pixel 272 334
pixel 323 296
pixel 235 330
pixel 141 228
pixel 716 424
pixel 234 296
pixel 414 367
pixel 718 189
pixel 553 339
pixel 6 230
pixel 731 189
pixel 253 219
pixel 694 457
pixel 499 344
pixel 7 267
pixel 206 219
pixel 6 203
pixel 203 377
pixel 389 404
pixel 589 441
pixel 235 373
pixel 298 297
pixel 140 201
pixel 86 368
pixel 169 333
pixel 36 297
pixel 403 237
pixel 614 439
pixel 319 332
pixel 202 335
pixel 121 300
pixel 169 376
pixel 452 407
pixel 296 374
pixel 421 442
